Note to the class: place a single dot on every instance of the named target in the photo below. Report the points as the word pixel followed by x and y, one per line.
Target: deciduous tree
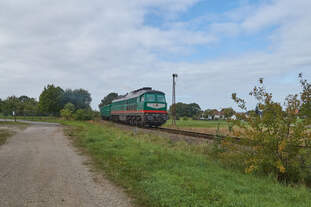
pixel 9 105
pixel 108 99
pixel 228 112
pixel 80 98
pixel 51 100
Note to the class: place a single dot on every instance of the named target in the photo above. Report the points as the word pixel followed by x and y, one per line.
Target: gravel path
pixel 39 167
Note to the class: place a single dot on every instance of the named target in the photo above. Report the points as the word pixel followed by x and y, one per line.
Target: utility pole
pixel 174 101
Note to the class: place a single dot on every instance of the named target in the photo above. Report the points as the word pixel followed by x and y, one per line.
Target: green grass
pixel 4 134
pixel 158 172
pixel 196 123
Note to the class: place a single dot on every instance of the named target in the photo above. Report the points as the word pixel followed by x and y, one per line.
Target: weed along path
pixel 39 167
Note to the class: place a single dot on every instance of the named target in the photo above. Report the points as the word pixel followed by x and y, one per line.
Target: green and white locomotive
pixel 142 107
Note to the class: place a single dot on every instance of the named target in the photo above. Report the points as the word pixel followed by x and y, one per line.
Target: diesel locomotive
pixel 142 107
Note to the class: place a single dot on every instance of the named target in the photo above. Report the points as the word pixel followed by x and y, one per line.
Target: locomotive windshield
pixel 150 97
pixel 160 98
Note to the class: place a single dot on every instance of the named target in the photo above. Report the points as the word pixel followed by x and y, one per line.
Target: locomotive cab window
pixel 160 98
pixel 150 97
pixel 142 98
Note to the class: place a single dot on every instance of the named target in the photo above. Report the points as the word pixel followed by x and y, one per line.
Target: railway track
pixel 195 134
pixel 188 133
pixel 236 140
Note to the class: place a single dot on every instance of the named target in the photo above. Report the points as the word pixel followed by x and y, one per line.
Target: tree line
pixel 53 100
pixel 194 111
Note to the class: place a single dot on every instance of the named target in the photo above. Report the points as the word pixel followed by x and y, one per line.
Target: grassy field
pixel 197 123
pixel 8 129
pixel 203 126
pixel 158 172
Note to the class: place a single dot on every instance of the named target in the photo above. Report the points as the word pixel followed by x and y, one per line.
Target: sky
pixel 217 47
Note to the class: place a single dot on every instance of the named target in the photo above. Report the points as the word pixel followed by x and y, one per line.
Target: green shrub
pixel 275 137
pixel 67 111
pixel 66 114
pixel 70 107
pixel 185 118
pixel 83 114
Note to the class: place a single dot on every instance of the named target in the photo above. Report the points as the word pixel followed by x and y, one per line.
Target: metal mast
pixel 174 101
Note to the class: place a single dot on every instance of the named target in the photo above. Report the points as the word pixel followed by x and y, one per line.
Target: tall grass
pixel 159 172
pixel 197 123
pixel 5 133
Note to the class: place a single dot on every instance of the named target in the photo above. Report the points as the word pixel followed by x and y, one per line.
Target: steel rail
pixel 237 140
pixel 195 134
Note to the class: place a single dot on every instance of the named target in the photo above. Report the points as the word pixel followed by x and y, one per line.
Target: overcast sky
pixel 217 47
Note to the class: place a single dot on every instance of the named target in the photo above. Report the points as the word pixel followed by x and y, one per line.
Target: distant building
pixel 216 115
pixel 233 117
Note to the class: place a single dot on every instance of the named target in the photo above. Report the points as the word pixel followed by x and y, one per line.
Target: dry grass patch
pixel 8 129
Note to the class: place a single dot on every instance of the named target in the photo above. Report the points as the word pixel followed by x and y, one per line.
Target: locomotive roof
pixel 136 93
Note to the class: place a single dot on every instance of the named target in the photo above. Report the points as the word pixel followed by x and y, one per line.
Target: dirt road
pixel 39 167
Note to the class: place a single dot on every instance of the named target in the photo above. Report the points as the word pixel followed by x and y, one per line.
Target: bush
pixel 70 107
pixel 83 114
pixel 67 111
pixel 275 137
pixel 66 114
pixel 185 118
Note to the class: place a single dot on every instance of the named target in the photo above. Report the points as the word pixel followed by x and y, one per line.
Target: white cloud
pixel 277 12
pixel 105 46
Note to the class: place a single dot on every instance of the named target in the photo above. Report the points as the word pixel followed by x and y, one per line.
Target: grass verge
pixel 7 130
pixel 4 134
pixel 197 123
pixel 158 172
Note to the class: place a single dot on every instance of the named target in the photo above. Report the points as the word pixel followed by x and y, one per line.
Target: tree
pixel 51 100
pixel 1 105
pixel 22 105
pixel 80 98
pixel 180 109
pixel 26 106
pixel 228 112
pixel 108 99
pixel 192 110
pixel 305 109
pixel 31 108
pixel 9 105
